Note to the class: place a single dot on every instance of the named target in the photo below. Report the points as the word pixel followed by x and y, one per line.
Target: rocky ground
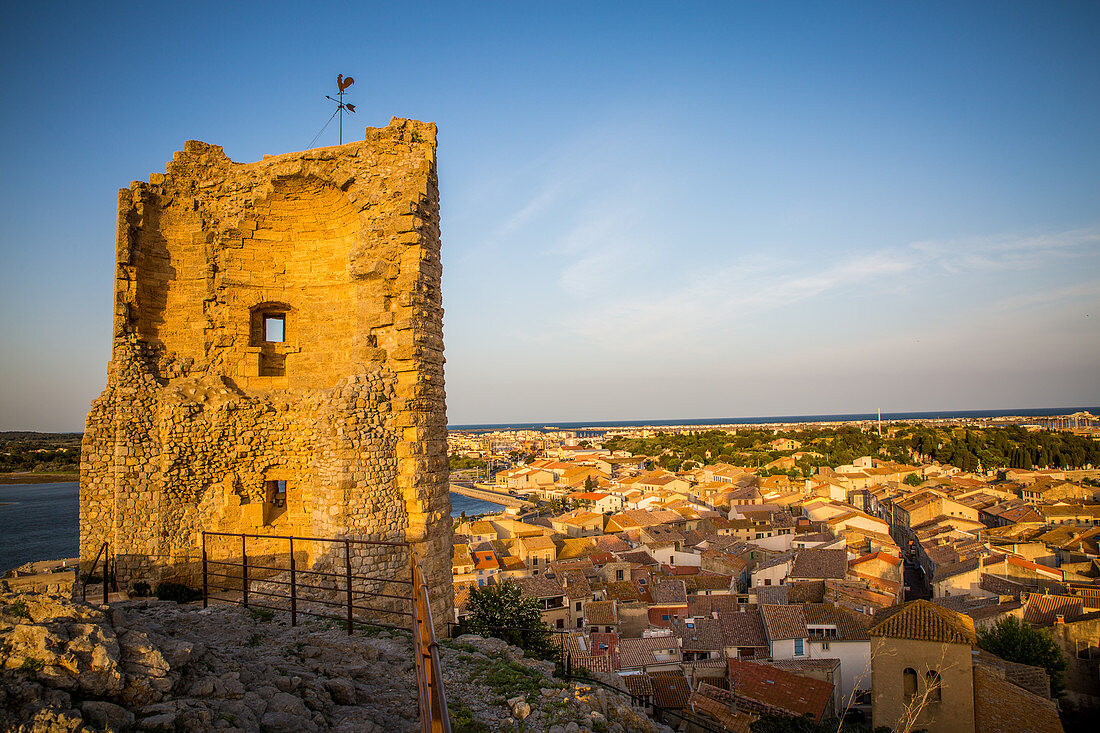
pixel 158 666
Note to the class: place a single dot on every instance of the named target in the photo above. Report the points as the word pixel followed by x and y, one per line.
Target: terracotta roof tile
pixel 539 587
pixel 743 629
pixel 781 689
pixel 850 626
pixel 669 592
pixel 639 685
pixel 923 621
pixel 720 705
pixel 784 622
pixel 806 591
pixel 1044 609
pixel 709 605
pixel 1002 707
pixel 700 635
pixel 775 595
pixel 649 651
pixel 670 689
pixel 600 613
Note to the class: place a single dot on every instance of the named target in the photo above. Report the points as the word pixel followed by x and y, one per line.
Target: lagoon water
pixel 38 522
pixel 41 521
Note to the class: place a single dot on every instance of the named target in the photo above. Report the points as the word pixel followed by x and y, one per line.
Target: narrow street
pixel 915 587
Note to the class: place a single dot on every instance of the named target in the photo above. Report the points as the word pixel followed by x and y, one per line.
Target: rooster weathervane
pixel 342 84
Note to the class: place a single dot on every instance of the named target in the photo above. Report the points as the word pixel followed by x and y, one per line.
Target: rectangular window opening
pixel 275 329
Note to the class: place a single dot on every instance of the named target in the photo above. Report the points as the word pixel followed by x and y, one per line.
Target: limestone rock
pixel 104 714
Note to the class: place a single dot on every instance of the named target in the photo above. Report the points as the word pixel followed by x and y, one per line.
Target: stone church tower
pixel 277 362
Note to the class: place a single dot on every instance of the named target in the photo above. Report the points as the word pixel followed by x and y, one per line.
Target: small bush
pixel 19 608
pixel 31 665
pixel 261 614
pixel 177 592
pixel 141 589
pixel 253 640
pixel 462 720
pixel 510 680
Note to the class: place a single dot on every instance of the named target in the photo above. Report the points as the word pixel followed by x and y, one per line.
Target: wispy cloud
pixel 1008 252
pixel 717 300
pixel 1049 296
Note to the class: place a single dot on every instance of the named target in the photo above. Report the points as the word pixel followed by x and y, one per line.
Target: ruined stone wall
pixel 277 326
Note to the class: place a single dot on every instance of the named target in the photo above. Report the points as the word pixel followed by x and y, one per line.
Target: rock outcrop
pixel 158 666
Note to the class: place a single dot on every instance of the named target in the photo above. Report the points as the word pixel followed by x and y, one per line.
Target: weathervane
pixel 342 85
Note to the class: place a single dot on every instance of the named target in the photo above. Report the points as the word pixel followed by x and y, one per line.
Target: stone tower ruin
pixel 277 362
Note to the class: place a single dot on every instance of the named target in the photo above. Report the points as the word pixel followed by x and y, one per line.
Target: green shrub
pixel 19 608
pixel 462 720
pixel 32 665
pixel 261 614
pixel 177 592
pixel 141 589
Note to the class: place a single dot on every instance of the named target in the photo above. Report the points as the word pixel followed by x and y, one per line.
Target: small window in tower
pixel 277 491
pixel 275 328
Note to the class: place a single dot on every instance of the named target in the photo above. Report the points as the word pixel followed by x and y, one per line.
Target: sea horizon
pixel 770 419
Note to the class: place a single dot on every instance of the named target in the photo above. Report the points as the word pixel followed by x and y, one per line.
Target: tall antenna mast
pixel 342 84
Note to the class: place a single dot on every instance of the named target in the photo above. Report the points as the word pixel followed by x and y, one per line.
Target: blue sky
pixel 662 210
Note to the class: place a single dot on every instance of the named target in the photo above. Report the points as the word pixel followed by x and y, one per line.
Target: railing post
pixel 244 572
pixel 205 590
pixel 347 567
pixel 293 590
pixel 106 567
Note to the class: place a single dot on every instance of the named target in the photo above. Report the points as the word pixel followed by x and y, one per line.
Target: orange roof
pixel 924 621
pixel 1002 707
pixel 885 557
pixel 486 560
pixel 780 689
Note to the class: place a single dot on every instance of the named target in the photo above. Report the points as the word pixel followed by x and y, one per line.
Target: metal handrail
pixel 105 553
pixel 432 697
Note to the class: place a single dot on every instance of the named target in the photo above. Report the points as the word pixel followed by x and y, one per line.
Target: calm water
pixel 41 521
pixel 460 503
pixel 38 522
pixel 595 425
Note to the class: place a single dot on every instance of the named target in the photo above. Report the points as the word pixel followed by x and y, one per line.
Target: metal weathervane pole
pixel 342 84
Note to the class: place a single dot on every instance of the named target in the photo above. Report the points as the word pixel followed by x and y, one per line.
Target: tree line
pixel 971 449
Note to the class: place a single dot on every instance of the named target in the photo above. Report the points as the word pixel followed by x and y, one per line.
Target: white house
pixel 785 628
pixel 837 633
pixel 773 571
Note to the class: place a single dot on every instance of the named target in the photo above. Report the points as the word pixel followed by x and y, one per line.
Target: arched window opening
pixel 909 683
pixel 932 679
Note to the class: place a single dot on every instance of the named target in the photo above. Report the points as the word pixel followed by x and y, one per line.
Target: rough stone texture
pixel 154 665
pixel 205 410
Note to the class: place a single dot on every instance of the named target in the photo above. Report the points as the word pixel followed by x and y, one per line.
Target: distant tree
pixel 1017 641
pixel 590 483
pixel 913 479
pixel 503 612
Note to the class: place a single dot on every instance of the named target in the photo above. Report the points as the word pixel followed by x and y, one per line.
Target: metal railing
pixel 286 584
pixel 108 575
